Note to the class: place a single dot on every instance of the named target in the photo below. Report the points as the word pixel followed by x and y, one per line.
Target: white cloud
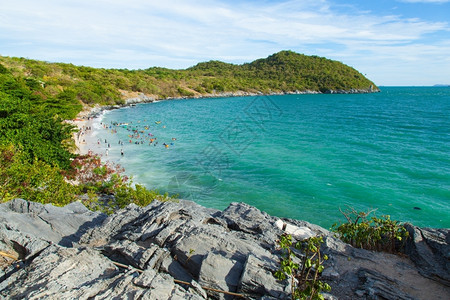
pixel 178 34
pixel 425 1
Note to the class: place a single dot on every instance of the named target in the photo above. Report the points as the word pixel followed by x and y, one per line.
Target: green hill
pixel 68 87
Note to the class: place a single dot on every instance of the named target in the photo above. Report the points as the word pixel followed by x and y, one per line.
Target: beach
pixel 88 123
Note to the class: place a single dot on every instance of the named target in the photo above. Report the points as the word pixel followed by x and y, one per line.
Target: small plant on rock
pixel 380 234
pixel 304 276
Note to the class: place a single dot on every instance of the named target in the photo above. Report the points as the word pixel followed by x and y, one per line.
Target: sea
pixel 306 156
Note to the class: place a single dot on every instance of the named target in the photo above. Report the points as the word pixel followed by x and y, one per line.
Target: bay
pixel 296 156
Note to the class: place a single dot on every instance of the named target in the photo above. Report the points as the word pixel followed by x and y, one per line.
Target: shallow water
pixel 297 156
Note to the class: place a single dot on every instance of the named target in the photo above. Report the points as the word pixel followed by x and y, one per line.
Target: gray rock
pixel 130 253
pixel 186 251
pixel 429 249
pixel 377 286
pixel 61 225
pixel 62 273
pixel 257 279
pixel 219 272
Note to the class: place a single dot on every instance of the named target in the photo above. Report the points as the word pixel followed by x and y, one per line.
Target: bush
pixel 94 178
pixel 305 283
pixel 36 181
pixel 380 234
pixel 138 195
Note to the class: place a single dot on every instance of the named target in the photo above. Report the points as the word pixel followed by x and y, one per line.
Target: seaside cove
pixel 296 156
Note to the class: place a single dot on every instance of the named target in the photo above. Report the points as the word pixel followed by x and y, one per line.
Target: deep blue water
pixel 297 156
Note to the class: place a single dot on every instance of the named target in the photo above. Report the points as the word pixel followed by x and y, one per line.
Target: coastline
pixel 86 123
pixel 160 174
pixel 85 141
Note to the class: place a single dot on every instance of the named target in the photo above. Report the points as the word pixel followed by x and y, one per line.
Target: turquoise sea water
pixel 296 156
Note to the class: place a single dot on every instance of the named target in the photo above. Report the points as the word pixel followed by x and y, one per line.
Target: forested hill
pixel 285 71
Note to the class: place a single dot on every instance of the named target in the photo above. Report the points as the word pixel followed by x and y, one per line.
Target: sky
pixel 393 43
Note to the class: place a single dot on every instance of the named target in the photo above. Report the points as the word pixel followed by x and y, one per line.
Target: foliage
pixel 380 234
pixel 139 195
pixel 305 283
pixel 94 177
pixel 91 174
pixel 32 125
pixel 37 181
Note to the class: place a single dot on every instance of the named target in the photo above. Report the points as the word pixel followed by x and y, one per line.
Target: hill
pixel 282 72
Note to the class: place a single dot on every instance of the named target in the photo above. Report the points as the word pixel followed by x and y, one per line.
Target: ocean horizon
pixel 296 156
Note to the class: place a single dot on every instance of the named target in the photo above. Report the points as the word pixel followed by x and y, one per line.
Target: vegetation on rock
pixel 380 234
pixel 304 275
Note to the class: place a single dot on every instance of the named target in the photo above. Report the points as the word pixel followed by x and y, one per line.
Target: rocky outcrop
pixel 430 250
pixel 186 251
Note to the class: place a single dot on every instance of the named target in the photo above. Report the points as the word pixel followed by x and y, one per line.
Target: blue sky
pixel 396 42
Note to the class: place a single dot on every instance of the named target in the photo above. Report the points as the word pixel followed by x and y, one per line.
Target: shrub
pixel 94 177
pixel 305 283
pixel 36 181
pixel 380 234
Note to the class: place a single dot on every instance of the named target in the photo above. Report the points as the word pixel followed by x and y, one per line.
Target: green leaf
pixel 308 263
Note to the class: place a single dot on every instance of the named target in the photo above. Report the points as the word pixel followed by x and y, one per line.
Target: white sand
pixel 83 138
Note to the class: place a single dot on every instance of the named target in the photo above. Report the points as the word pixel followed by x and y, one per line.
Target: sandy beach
pixel 82 136
pixel 85 138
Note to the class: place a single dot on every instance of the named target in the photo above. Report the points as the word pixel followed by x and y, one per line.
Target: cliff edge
pixel 186 251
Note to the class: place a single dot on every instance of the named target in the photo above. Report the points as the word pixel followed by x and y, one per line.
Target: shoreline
pixel 85 123
pixel 161 176
pixel 86 118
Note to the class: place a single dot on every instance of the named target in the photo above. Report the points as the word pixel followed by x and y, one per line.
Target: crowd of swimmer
pixel 138 135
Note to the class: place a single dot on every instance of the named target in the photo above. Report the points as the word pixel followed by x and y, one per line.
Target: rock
pixel 127 252
pixel 61 272
pixel 429 248
pixel 219 272
pixel 257 279
pixel 377 286
pixel 61 225
pixel 186 251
